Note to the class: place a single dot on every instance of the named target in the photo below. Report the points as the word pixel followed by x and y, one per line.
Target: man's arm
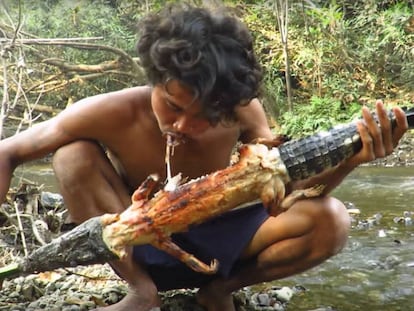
pixel 96 118
pixel 253 122
pixel 31 144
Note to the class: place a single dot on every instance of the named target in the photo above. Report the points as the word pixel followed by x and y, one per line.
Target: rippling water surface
pixel 372 272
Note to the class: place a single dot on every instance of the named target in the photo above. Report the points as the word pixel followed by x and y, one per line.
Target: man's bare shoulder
pixel 136 93
pixel 113 105
pixel 97 116
pixel 134 98
pixel 253 122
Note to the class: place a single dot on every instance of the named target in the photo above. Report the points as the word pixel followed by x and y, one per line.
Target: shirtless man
pixel 203 82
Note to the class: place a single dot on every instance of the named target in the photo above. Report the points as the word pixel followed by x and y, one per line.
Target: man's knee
pixel 332 223
pixel 76 160
pixel 328 222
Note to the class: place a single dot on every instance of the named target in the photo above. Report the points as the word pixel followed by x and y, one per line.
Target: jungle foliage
pixel 342 54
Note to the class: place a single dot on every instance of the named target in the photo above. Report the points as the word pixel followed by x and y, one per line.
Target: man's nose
pixel 188 125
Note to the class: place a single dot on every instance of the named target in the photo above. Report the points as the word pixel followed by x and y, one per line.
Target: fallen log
pixel 261 173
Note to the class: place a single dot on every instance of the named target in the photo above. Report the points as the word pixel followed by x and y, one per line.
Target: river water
pixel 375 271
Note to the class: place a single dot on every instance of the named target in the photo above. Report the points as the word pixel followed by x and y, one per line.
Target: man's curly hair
pixel 212 53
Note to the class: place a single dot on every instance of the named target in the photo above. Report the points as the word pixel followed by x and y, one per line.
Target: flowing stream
pixel 375 271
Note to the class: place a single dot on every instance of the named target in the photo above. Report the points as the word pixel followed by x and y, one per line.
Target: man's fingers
pixel 368 153
pixel 402 125
pixel 375 132
pixel 378 136
pixel 386 130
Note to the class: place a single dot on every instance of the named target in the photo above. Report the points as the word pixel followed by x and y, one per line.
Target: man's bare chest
pixel 135 163
pixel 140 152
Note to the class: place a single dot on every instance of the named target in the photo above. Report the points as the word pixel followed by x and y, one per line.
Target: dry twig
pixel 20 228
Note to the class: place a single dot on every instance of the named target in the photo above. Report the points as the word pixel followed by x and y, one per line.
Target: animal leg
pixel 275 142
pixel 174 250
pixel 141 194
pixel 144 190
pixel 301 194
pixel 272 195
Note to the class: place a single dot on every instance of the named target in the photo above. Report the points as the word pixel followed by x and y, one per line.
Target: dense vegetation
pixel 341 54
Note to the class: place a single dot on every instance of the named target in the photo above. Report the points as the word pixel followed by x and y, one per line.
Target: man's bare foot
pixel 214 299
pixel 134 302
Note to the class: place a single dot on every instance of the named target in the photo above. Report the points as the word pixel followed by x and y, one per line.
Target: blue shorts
pixel 223 238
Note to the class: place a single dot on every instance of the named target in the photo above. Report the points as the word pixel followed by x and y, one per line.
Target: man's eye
pixel 172 106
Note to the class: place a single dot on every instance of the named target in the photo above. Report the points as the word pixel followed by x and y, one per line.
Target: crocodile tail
pixel 311 155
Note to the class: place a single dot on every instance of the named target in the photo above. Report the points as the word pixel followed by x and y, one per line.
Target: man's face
pixel 177 112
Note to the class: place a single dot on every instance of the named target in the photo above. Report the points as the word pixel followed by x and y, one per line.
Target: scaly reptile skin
pixel 311 155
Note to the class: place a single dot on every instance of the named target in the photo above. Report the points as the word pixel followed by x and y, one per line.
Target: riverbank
pixel 86 288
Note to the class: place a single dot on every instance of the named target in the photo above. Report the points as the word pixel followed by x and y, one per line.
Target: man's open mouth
pixel 174 139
